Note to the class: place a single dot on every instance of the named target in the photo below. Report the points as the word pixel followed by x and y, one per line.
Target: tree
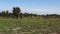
pixel 16 11
pixel 21 15
pixel 3 13
pixel 7 12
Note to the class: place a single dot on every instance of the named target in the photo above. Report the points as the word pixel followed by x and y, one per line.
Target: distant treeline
pixel 50 16
pixel 16 13
pixel 7 14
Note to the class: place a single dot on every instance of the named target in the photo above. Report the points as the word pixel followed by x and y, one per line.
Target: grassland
pixel 36 25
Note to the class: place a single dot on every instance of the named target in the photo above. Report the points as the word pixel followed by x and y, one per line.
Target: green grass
pixel 36 25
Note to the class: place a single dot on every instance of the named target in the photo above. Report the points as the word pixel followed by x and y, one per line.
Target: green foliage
pixel 16 11
pixel 30 25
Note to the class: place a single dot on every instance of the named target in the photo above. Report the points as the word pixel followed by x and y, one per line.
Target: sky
pixel 32 6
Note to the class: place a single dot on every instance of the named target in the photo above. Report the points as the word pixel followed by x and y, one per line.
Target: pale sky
pixel 32 6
